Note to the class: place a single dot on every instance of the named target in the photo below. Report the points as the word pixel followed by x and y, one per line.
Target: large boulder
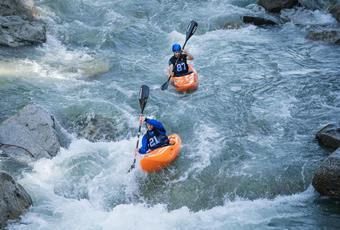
pixel 329 136
pixel 332 36
pixel 32 133
pixel 326 179
pixel 94 127
pixel 277 5
pixel 258 21
pixel 14 200
pixel 18 26
pixel 335 11
pixel 15 31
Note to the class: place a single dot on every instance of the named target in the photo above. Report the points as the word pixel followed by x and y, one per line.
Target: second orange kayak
pixel 160 158
pixel 187 82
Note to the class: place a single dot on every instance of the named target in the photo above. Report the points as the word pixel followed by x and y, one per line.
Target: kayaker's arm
pixel 171 70
pixel 144 149
pixel 189 56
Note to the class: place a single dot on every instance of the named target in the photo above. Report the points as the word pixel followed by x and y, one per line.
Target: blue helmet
pixel 176 47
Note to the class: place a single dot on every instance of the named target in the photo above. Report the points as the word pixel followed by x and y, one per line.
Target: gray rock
pixel 332 36
pixel 18 26
pixel 22 8
pixel 14 31
pixel 326 179
pixel 258 21
pixel 329 136
pixel 95 127
pixel 277 5
pixel 335 11
pixel 31 132
pixel 14 200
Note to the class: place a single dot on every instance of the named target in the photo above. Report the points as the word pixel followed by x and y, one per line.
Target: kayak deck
pixel 187 82
pixel 160 158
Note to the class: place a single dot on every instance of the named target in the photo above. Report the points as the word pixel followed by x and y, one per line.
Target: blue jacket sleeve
pixel 158 125
pixel 144 147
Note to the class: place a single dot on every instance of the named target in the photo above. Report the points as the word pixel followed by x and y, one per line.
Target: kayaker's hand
pixel 141 120
pixel 136 151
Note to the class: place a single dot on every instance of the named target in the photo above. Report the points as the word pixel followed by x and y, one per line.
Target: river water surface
pixel 249 152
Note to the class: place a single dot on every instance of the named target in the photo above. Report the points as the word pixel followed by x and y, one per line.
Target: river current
pixel 249 151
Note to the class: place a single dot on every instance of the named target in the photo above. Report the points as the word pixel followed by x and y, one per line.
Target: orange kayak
pixel 186 83
pixel 160 158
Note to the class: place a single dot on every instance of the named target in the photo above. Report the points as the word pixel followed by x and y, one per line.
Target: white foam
pixel 308 17
pixel 238 214
pixel 208 143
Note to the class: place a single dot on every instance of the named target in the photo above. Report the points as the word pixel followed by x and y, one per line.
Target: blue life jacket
pixel 154 138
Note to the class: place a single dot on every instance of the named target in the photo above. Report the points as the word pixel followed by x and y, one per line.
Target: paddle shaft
pixel 143 96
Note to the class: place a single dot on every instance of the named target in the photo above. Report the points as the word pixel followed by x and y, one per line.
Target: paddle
pixel 190 31
pixel 143 98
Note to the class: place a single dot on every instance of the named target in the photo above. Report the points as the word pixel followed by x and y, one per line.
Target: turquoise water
pixel 248 152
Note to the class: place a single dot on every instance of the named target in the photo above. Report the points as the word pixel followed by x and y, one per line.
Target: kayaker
pixel 155 136
pixel 178 65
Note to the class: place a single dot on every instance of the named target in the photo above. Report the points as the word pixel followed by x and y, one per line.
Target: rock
pixel 32 133
pixel 332 36
pixel 258 21
pixel 14 200
pixel 14 31
pixel 18 26
pixel 329 136
pixel 326 179
pixel 95 127
pixel 22 8
pixel 277 5
pixel 335 11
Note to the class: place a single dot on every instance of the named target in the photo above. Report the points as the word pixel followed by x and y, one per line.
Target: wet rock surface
pixel 18 25
pixel 14 200
pixel 30 134
pixel 258 21
pixel 277 5
pixel 329 136
pixel 326 179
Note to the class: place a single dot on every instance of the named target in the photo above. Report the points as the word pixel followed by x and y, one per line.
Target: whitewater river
pixel 249 151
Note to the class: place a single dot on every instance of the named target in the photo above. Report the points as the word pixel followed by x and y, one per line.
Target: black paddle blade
pixel 143 96
pixel 166 84
pixel 192 27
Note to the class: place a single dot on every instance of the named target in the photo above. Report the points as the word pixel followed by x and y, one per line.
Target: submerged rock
pixel 335 11
pixel 18 26
pixel 326 179
pixel 95 127
pixel 277 5
pixel 332 36
pixel 329 136
pixel 30 134
pixel 258 21
pixel 14 200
